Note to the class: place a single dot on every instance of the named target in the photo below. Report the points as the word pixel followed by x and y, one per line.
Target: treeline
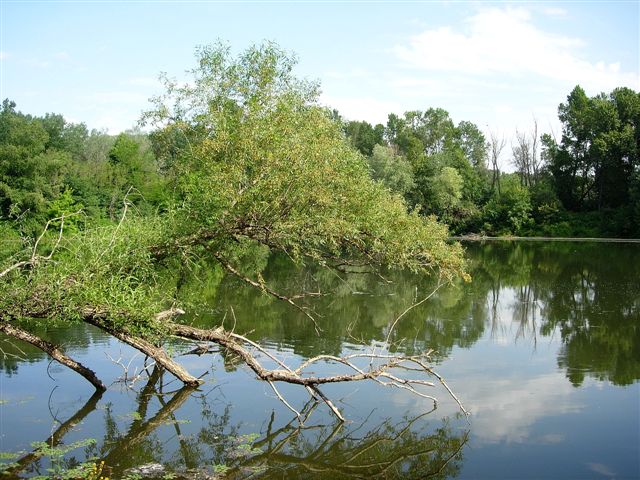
pixel 587 183
pixel 584 184
pixel 50 167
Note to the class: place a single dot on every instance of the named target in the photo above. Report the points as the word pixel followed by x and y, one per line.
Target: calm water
pixel 543 347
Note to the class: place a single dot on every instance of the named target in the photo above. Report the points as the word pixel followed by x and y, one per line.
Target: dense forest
pixel 584 184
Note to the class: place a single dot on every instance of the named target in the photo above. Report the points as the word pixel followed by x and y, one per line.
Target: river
pixel 542 347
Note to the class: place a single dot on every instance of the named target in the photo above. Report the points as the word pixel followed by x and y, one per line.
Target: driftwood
pixel 383 368
pixel 379 369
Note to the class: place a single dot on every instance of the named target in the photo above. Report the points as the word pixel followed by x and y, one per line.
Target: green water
pixel 543 347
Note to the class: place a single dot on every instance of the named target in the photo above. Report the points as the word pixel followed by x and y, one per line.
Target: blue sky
pixel 497 64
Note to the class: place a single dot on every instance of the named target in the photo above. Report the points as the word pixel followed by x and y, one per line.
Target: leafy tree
pixel 473 144
pixel 509 212
pixel 363 136
pixel 30 175
pixel 264 168
pixel 393 170
pixel 63 136
pixel 263 155
pixel 598 154
pixel 446 189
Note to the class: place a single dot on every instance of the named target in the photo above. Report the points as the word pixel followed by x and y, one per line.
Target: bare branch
pixel 35 258
pixel 379 371
pixel 395 322
pixel 282 399
pixel 264 288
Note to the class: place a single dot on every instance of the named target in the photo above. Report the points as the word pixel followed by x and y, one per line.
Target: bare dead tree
pixel 496 145
pixel 521 157
pixel 536 158
pixel 526 157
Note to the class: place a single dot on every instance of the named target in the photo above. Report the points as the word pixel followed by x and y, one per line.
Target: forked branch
pixel 385 369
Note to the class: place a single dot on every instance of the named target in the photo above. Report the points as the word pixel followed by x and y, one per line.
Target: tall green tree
pixel 363 136
pixel 393 170
pixel 598 154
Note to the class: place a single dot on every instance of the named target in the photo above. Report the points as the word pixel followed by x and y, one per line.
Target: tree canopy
pixel 253 165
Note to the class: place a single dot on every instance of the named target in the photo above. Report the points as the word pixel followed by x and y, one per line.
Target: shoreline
pixel 478 238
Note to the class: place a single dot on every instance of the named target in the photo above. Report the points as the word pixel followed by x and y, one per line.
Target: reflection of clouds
pixel 514 315
pixel 505 409
pixel 550 439
pixel 601 469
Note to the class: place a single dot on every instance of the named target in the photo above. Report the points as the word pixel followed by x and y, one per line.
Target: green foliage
pixel 255 165
pixel 446 189
pixel 108 269
pixel 509 212
pixel 59 468
pixel 220 468
pixel 264 161
pixel 393 170
pixel 363 136
pixel 66 205
pixel 596 159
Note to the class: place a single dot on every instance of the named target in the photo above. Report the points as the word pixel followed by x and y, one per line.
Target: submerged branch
pixel 54 352
pixel 57 437
pixel 157 353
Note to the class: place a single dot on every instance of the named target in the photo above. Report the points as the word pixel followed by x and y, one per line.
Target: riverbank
pixel 481 238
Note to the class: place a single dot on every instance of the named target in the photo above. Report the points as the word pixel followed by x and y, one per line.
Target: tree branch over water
pixel 264 169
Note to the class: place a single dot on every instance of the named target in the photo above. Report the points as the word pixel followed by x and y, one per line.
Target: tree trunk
pixel 157 353
pixel 54 352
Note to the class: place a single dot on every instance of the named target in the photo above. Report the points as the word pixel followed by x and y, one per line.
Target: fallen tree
pixel 257 167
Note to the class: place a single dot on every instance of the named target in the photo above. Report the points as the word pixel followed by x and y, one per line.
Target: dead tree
pixel 496 145
pixel 526 157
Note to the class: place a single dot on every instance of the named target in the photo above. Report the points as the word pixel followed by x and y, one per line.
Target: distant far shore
pixel 547 239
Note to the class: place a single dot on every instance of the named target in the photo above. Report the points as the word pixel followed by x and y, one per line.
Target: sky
pixel 497 64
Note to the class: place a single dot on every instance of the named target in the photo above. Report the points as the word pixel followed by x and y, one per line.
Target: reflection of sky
pixel 528 421
pixel 527 418
pixel 505 408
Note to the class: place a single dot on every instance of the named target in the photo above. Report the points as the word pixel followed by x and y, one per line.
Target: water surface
pixel 543 347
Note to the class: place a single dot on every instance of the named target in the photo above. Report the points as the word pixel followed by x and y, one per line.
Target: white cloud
pixel 62 56
pixel 149 82
pixel 362 108
pixel 114 121
pixel 505 409
pixel 353 74
pixel 4 55
pixel 118 97
pixel 37 63
pixel 115 111
pixel 554 11
pixel 505 41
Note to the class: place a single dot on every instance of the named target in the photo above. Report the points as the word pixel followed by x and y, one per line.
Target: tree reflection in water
pixel 585 294
pixel 410 448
